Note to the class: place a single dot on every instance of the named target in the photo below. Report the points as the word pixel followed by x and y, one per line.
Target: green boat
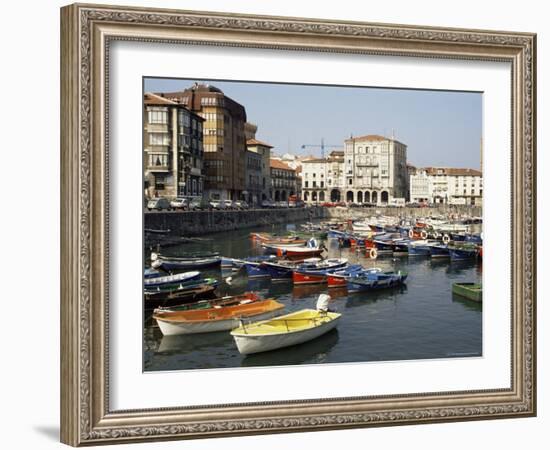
pixel 471 291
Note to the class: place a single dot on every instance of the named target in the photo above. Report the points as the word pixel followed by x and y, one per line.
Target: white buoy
pixel 228 280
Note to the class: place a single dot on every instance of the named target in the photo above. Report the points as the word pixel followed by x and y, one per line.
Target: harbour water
pixel 422 320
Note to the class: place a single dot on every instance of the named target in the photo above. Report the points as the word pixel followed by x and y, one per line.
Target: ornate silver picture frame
pixel 87 32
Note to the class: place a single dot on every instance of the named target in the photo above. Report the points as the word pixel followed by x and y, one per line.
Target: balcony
pixel 159 169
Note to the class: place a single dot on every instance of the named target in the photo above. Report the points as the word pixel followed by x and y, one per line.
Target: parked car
pixel 267 204
pixel 180 203
pixel 158 204
pixel 241 204
pixel 216 204
pixel 199 203
pixel 229 204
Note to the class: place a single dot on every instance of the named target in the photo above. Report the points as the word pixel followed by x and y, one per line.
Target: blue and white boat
pixel 463 253
pixel 171 279
pixel 236 263
pixel 439 251
pixel 336 234
pixel 419 248
pixel 279 270
pixel 374 279
pixel 170 263
pixel 255 269
pixel 474 238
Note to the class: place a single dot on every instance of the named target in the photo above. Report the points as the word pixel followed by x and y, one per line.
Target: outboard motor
pixel 322 303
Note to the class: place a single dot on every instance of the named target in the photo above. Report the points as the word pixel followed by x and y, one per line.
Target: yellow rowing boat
pixel 283 331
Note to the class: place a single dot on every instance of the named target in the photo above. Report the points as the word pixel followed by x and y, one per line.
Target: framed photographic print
pixel 284 224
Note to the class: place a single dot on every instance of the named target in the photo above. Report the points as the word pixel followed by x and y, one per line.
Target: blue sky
pixel 440 128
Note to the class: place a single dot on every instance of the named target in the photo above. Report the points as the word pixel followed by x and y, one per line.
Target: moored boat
pixel 338 278
pixel 375 279
pixel 214 319
pixel 312 272
pixel 463 252
pixel 233 300
pixel 287 330
pixel 418 248
pixel 187 295
pixel 174 279
pixel 170 263
pixel 471 291
pixel 439 251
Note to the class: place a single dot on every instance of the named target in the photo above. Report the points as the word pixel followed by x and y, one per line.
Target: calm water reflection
pixel 418 321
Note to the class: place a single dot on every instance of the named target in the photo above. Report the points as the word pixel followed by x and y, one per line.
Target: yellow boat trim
pixel 290 323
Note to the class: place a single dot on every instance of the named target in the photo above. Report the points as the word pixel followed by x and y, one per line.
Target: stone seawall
pixel 196 223
pixel 344 213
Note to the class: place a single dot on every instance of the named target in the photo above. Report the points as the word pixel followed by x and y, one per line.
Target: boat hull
pixel 462 254
pixel 308 278
pixel 471 291
pixel 249 344
pixel 256 270
pixel 437 251
pixel 177 328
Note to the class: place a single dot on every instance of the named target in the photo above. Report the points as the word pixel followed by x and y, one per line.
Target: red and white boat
pixel 314 273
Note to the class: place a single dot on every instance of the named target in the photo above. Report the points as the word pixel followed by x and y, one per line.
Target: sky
pixel 440 128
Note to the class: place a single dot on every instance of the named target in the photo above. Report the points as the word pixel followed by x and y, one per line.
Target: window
pixel 159 139
pixel 158 160
pixel 183 119
pixel 350 181
pixel 160 183
pixel 158 115
pixel 322 184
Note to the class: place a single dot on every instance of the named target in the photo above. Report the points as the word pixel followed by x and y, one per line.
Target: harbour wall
pixel 196 223
pixel 344 213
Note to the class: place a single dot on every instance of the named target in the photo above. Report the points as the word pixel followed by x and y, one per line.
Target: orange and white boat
pixel 213 319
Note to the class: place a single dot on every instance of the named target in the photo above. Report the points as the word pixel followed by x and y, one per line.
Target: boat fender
pixel 446 239
pixel 228 280
pixel 156 264
pixel 373 253
pixel 423 234
pixel 154 256
pixel 322 303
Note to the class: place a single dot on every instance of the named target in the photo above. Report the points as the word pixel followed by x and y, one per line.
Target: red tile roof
pixel 253 142
pixel 453 171
pixel 153 99
pixel 276 164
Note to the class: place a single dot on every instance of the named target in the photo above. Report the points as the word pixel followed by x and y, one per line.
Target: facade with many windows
pixel 283 181
pixel 223 139
pixel 173 153
pixel 447 185
pixel 375 170
pixel 322 179
pixel 264 150
pixel 253 192
pixel 371 169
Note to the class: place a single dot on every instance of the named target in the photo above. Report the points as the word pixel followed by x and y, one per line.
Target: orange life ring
pixel 423 234
pixel 372 253
pixel 411 233
pixel 446 239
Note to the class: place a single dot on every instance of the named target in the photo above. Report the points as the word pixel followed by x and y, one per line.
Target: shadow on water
pixel 187 343
pixel 366 298
pixel 468 304
pixel 312 352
